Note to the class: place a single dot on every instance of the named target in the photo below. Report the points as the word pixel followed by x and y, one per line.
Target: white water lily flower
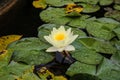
pixel 61 40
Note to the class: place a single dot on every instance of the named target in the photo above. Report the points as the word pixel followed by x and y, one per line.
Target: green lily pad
pixel 108 70
pixel 105 2
pixel 30 76
pixel 117 31
pixel 7 77
pixel 88 8
pixel 31 43
pixel 79 67
pixel 79 32
pixel 58 3
pixel 87 1
pixel 54 15
pixel 101 30
pixel 87 56
pixel 108 20
pixel 117 6
pixel 98 45
pixel 117 1
pixel 34 57
pixel 5 58
pixel 115 14
pixel 117 44
pixel 18 69
pixel 31 51
pixel 116 58
pixel 79 22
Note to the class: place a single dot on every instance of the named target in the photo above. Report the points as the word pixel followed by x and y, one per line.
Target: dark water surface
pixel 24 21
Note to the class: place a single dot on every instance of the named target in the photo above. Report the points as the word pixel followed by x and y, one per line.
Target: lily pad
pixel 79 22
pixel 98 45
pixel 101 30
pixel 117 7
pixel 34 57
pixel 79 67
pixel 5 57
pixel 108 70
pixel 58 3
pixel 54 15
pixel 31 43
pixel 105 2
pixel 87 1
pixel 117 31
pixel 88 8
pixel 117 1
pixel 31 51
pixel 87 56
pixel 18 69
pixel 115 14
pixel 116 58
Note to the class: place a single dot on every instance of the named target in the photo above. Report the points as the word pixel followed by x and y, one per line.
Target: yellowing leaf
pixel 60 78
pixel 5 40
pixel 73 8
pixel 39 4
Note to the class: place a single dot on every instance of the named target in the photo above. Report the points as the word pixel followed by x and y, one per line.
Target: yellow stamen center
pixel 59 36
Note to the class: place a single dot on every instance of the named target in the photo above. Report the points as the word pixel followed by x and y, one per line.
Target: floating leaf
pixel 115 14
pixel 73 10
pixel 116 58
pixel 5 57
pixel 117 7
pixel 101 30
pixel 31 51
pixel 105 2
pixel 79 67
pixel 7 77
pixel 108 20
pixel 87 1
pixel 58 2
pixel 87 56
pixel 39 4
pixel 29 76
pixel 5 40
pixel 108 70
pixel 18 69
pixel 117 1
pixel 79 22
pixel 54 15
pixel 88 8
pixel 117 31
pixel 98 45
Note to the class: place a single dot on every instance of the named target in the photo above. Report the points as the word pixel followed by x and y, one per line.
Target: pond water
pixel 23 22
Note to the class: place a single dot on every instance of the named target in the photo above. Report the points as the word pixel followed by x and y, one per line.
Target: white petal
pixel 47 38
pixel 70 48
pixel 51 49
pixel 73 38
pixel 61 29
